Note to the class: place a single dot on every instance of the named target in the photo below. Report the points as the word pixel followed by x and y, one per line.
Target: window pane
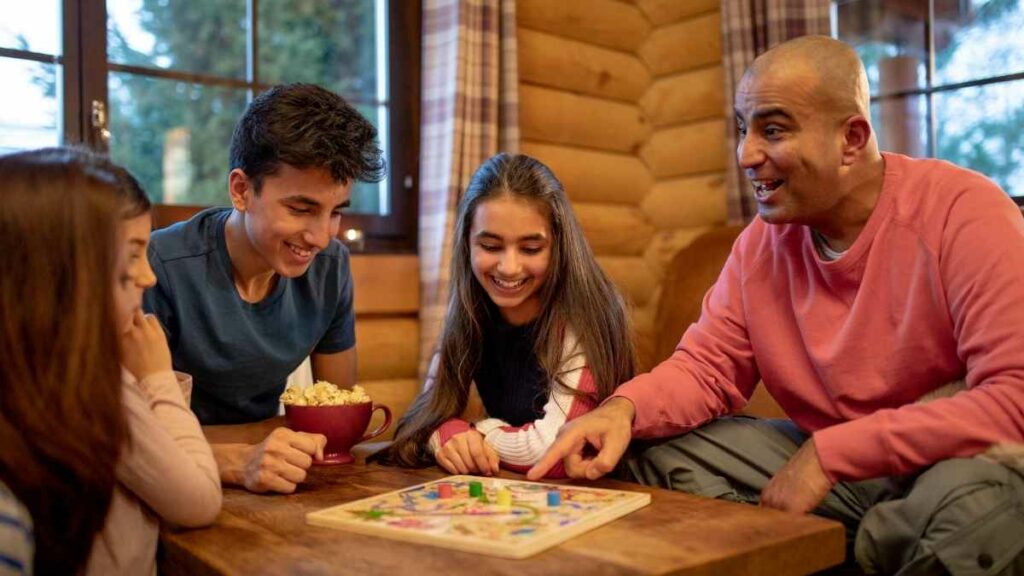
pixel 30 114
pixel 174 136
pixel 982 128
pixel 978 39
pixel 328 43
pixel 901 125
pixel 890 38
pixel 33 25
pixel 202 37
pixel 371 197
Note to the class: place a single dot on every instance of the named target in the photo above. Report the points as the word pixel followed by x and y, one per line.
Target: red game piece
pixel 444 490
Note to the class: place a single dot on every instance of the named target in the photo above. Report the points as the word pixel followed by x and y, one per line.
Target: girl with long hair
pixel 61 422
pixel 164 469
pixel 535 333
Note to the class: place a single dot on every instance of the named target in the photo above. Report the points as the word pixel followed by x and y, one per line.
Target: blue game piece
pixel 554 498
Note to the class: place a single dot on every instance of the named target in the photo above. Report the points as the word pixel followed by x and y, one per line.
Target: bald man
pixel 867 283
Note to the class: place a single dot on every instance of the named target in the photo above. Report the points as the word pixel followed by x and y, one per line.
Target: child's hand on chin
pixel 144 349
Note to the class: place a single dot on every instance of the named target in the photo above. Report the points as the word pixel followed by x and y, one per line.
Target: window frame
pixel 930 89
pixel 85 107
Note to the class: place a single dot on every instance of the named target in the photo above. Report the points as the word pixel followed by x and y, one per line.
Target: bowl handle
pixel 380 429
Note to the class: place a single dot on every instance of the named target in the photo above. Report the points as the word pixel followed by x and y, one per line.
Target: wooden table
pixel 677 534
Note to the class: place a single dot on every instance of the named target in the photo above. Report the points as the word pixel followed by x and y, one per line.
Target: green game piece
pixel 476 489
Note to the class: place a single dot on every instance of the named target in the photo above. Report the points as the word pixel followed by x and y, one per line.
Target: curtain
pixel 469 112
pixel 749 28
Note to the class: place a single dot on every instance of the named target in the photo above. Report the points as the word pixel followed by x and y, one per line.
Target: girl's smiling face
pixel 133 273
pixel 510 249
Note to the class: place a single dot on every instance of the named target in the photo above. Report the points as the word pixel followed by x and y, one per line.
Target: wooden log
pixel 603 22
pixel 592 175
pixel 396 394
pixel 386 283
pixel 663 12
pixel 686 202
pixel 631 275
pixel 387 347
pixel 686 149
pixel 683 46
pixel 685 97
pixel 575 66
pixel 614 230
pixel 559 117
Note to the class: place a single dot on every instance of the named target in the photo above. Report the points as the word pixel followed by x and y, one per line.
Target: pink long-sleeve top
pixel 167 473
pixel 932 290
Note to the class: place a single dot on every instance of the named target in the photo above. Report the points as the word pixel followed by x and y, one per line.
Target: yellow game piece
pixel 504 497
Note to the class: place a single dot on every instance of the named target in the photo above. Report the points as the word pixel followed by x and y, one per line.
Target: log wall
pixel 624 101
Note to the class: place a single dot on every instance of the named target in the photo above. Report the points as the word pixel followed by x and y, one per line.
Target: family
pixel 879 299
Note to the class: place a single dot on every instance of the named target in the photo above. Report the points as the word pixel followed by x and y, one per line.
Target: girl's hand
pixel 468 453
pixel 144 349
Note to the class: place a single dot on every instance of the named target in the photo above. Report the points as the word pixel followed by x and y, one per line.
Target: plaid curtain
pixel 469 113
pixel 749 28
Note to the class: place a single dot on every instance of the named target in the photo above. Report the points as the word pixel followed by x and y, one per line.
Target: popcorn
pixel 323 393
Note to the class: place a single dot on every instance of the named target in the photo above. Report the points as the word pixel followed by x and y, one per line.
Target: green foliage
pixel 326 42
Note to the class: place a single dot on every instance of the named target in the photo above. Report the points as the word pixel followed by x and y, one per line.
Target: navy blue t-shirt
pixel 239 353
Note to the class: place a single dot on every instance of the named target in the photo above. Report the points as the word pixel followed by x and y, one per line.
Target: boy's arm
pixel 338 368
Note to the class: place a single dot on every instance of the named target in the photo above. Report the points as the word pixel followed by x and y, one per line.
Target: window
pixel 160 84
pixel 947 79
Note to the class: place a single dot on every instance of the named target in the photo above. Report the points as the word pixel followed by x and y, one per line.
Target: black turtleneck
pixel 511 383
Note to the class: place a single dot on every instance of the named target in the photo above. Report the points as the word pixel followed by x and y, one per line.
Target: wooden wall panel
pixel 685 97
pixel 662 12
pixel 683 46
pixel 686 149
pixel 386 283
pixel 686 202
pixel 606 23
pixel 631 275
pixel 559 117
pixel 396 394
pixel 614 230
pixel 557 62
pixel 592 175
pixel 387 347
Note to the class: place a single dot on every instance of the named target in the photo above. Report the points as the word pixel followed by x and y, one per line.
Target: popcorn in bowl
pixel 323 393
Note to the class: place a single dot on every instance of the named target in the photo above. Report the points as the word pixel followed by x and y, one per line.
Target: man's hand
pixel 278 464
pixel 607 429
pixel 800 485
pixel 467 453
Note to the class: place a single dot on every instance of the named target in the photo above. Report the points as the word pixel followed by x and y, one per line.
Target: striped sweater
pixel 520 447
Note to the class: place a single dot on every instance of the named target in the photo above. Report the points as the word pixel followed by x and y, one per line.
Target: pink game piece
pixel 444 490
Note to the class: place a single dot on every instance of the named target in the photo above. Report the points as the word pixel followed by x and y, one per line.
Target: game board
pixel 511 519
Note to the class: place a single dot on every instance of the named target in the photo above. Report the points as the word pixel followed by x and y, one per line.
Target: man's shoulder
pixel 930 190
pixel 194 237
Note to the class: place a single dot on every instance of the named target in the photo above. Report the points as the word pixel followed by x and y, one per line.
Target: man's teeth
pixel 509 285
pixel 762 188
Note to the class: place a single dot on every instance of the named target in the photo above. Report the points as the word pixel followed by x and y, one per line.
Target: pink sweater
pixel 166 474
pixel 932 290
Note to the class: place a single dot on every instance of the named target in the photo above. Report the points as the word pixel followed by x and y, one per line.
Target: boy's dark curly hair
pixel 305 126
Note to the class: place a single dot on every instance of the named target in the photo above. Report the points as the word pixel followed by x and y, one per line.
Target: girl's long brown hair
pixel 61 420
pixel 577 295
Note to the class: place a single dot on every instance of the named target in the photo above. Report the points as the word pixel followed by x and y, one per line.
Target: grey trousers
pixel 961 516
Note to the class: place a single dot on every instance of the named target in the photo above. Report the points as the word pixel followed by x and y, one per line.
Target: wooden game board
pixel 527 526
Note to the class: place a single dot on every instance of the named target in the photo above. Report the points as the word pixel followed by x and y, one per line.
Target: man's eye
pixel 772 131
pixel 298 210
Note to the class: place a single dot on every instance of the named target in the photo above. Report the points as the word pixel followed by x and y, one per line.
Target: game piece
pixel 444 490
pixel 509 520
pixel 504 497
pixel 554 498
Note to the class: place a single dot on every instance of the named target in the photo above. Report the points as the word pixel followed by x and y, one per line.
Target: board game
pixel 500 517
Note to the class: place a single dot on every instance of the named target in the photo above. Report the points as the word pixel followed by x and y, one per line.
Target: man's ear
pixel 856 136
pixel 240 189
